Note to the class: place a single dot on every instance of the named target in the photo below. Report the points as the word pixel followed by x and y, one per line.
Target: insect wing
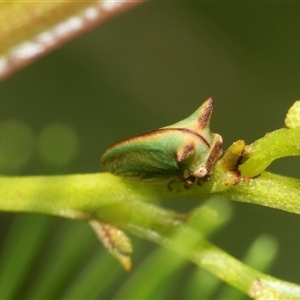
pixel 140 162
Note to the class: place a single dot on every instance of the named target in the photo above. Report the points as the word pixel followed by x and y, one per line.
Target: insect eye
pixel 201 172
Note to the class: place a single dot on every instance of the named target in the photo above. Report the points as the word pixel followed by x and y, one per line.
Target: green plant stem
pixel 269 190
pixel 73 196
pixel 168 231
pixel 125 204
pixel 274 145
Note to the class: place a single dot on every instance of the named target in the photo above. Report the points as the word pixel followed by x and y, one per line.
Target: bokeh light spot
pixel 58 144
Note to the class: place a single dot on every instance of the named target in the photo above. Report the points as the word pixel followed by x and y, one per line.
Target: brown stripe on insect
pixel 162 131
pixel 158 132
pixel 195 134
pixel 183 153
pixel 205 116
pixel 215 153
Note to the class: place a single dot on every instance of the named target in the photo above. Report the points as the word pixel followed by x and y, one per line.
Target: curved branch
pixel 30 30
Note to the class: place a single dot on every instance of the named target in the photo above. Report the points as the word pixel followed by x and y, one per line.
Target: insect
pixel 184 151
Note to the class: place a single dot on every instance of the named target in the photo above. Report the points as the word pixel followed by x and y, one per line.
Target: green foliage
pixel 46 257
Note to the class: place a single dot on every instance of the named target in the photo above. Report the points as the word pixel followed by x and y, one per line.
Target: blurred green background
pixel 147 68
